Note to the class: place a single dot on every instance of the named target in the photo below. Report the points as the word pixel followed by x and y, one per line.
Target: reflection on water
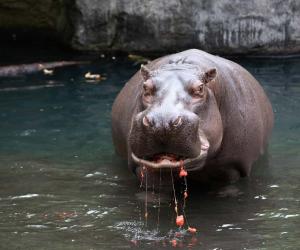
pixel 62 186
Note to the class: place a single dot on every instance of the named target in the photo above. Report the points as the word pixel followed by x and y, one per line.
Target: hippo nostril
pixel 146 121
pixel 177 122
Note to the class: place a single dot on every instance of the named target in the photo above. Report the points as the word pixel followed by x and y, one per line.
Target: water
pixel 62 186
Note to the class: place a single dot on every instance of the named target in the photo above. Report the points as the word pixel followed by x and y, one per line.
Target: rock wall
pixel 224 26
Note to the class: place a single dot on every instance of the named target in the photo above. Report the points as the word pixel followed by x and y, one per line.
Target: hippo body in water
pixel 193 109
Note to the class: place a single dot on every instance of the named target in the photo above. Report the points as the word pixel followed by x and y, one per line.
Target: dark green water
pixel 62 186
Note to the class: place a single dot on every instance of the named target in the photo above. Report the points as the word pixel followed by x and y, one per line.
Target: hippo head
pixel 178 119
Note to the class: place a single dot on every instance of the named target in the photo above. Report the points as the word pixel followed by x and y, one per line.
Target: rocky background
pixel 224 26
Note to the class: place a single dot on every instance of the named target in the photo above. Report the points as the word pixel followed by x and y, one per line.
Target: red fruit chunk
pixel 180 220
pixel 192 230
pixel 182 173
pixel 185 195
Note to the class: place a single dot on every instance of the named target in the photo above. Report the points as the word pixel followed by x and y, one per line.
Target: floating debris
pixel 227 225
pixel 91 76
pixel 283 209
pixel 28 132
pixel 48 72
pixel 92 212
pixel 138 59
pixel 261 197
pixel 97 173
pixel 29 216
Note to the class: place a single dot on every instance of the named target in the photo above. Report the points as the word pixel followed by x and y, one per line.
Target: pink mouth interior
pixel 166 158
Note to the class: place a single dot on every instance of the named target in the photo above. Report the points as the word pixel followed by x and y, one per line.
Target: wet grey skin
pixel 192 109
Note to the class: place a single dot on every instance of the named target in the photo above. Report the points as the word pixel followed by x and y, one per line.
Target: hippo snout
pixel 155 134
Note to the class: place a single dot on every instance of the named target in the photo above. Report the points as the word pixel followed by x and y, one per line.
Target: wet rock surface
pixel 225 27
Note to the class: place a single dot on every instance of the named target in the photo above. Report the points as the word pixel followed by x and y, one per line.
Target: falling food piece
pixel 192 230
pixel 183 173
pixel 180 220
pixel 48 72
pixel 142 174
pixel 90 76
pixel 185 194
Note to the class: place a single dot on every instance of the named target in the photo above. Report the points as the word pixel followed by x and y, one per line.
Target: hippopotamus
pixel 192 109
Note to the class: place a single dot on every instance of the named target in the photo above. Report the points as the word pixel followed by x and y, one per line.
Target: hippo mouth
pixel 165 160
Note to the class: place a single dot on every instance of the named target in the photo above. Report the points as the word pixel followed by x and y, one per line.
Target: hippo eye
pixel 146 88
pixel 148 92
pixel 198 91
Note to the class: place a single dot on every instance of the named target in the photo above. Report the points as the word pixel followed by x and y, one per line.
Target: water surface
pixel 63 187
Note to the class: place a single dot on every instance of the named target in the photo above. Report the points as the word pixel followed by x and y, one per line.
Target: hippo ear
pixel 145 72
pixel 210 75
